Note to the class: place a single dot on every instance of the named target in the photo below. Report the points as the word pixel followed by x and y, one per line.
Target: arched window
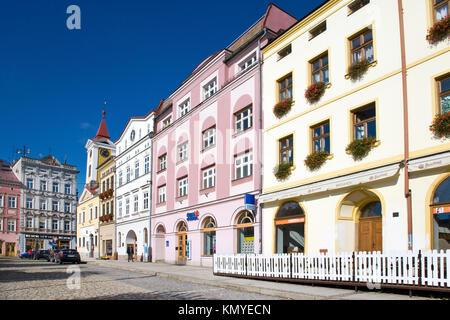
pixel 245 232
pixel 441 216
pixel 372 209
pixel 182 227
pixel 290 228
pixel 209 236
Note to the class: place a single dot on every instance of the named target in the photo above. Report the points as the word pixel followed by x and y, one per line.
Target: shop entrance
pixel 290 228
pixel 181 243
pixel 370 235
pixel 10 249
pixel 441 216
pixel 131 242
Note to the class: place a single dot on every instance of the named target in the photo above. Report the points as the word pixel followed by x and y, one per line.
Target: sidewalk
pixel 204 276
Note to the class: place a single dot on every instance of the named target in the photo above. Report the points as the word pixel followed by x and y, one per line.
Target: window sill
pixel 241 180
pixel 161 171
pixel 181 161
pixel 208 148
pixel 372 64
pixel 236 134
pixel 181 199
pixel 376 144
pixel 207 190
pixel 161 204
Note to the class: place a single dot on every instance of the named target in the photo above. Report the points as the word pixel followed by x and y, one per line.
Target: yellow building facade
pixel 106 172
pixel 350 163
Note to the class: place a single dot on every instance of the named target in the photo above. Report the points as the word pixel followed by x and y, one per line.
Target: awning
pixel 436 161
pixel 333 184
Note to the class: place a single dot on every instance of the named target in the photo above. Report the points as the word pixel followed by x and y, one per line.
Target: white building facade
pixel 396 196
pixel 133 187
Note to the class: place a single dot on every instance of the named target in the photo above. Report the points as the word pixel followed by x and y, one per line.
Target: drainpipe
pixel 407 190
pixel 150 199
pixel 260 206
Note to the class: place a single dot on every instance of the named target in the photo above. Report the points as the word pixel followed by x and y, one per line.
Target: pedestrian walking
pixel 130 252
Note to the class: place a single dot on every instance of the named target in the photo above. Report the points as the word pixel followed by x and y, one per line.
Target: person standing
pixel 130 252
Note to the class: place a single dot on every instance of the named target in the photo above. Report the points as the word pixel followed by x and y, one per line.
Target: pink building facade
pixel 206 154
pixel 10 193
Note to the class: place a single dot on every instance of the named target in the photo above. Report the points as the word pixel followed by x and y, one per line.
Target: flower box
pixel 360 148
pixel 282 171
pixel 441 125
pixel 439 31
pixel 282 108
pixel 316 159
pixel 357 70
pixel 106 217
pixel 315 92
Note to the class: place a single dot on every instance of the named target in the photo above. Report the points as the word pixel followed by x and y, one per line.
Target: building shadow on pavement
pixel 152 296
pixel 53 274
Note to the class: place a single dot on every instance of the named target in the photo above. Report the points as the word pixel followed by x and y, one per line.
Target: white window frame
pixel 210 88
pixel 145 206
pixel 240 164
pixel 29 203
pixel 12 202
pixel 30 183
pixel 55 184
pixel 67 225
pixel 209 134
pixel 120 208
pixel 10 223
pixel 136 203
pixel 146 164
pixel 43 185
pixel 183 187
pixel 184 107
pixel 43 204
pixel 240 118
pixel 53 205
pixel 166 122
pixel 120 178
pixel 29 223
pixel 1 201
pixel 162 194
pixel 182 151
pixel 136 169
pixel 128 174
pixel 67 188
pixel 247 63
pixel 209 178
pixel 127 206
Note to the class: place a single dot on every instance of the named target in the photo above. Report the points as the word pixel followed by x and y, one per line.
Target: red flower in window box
pixel 441 125
pixel 315 92
pixel 358 69
pixel 282 171
pixel 316 159
pixel 282 107
pixel 360 148
pixel 439 31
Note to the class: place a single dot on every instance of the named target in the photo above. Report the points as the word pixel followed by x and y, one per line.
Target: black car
pixel 67 255
pixel 42 254
pixel 52 254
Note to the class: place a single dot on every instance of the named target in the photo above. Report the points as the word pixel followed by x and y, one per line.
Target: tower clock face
pixel 132 135
pixel 104 153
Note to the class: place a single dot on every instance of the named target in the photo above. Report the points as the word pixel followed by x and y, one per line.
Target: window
pixel 209 237
pixel 103 186
pixel 245 232
pixel 136 170
pixel 120 208
pixel 55 224
pixel 29 223
pixel 321 137
pixel 55 205
pixel 209 89
pixel 30 184
pixel 89 171
pixel 128 174
pixel 120 178
pixel 362 47
pixel 356 5
pixel 209 137
pixel 162 194
pixel 364 122
pixel 84 216
pixel 285 88
pixel 184 107
pixel 90 214
pixel 209 178
pixel 444 94
pixel 66 207
pixel 182 151
pixel 145 200
pixel 182 187
pixel 322 27
pixel 95 212
pixel 111 205
pixel 166 122
pixel 29 203
pixel 244 119
pixel 103 209
pixel 11 226
pixel 43 205
pixel 243 165
pixel 286 150
pixel 162 162
pixel 127 206
pixel 319 69
pixel 1 201
pixel 12 202
pixel 146 165
pixel 136 203
pixel 55 187
pixel 43 185
pixel 67 188
pixel 246 64
pixel 112 182
pixel 440 9
pixel 284 52
pixel 66 225
pixel 1 224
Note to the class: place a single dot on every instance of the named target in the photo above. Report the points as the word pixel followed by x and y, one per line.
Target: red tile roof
pixel 7 176
pixel 102 132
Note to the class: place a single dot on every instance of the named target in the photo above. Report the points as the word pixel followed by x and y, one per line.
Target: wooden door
pixel 182 241
pixel 370 234
pixel 10 249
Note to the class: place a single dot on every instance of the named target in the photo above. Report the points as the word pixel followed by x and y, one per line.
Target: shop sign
pixel 192 215
pixel 167 243
pixel 250 202
pixel 438 210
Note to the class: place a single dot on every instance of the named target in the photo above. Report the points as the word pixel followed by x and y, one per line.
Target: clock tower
pixel 99 149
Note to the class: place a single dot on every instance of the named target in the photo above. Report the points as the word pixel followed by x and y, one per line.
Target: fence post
pixel 245 264
pixel 419 267
pixel 353 271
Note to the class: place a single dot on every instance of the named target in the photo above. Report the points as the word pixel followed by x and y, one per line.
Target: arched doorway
pixel 245 232
pixel 209 236
pixel 131 242
pixel 370 235
pixel 290 228
pixel 160 238
pixel 441 216
pixel 181 243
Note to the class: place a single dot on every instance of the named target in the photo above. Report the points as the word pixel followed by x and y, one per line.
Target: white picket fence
pixel 431 268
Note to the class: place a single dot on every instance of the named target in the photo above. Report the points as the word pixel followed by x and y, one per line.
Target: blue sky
pixel 133 53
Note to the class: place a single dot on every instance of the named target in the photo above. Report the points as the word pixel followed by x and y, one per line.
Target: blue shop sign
pixel 192 215
pixel 250 202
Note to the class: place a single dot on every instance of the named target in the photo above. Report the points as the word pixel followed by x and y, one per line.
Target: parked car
pixel 42 254
pixel 52 254
pixel 67 255
pixel 27 255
